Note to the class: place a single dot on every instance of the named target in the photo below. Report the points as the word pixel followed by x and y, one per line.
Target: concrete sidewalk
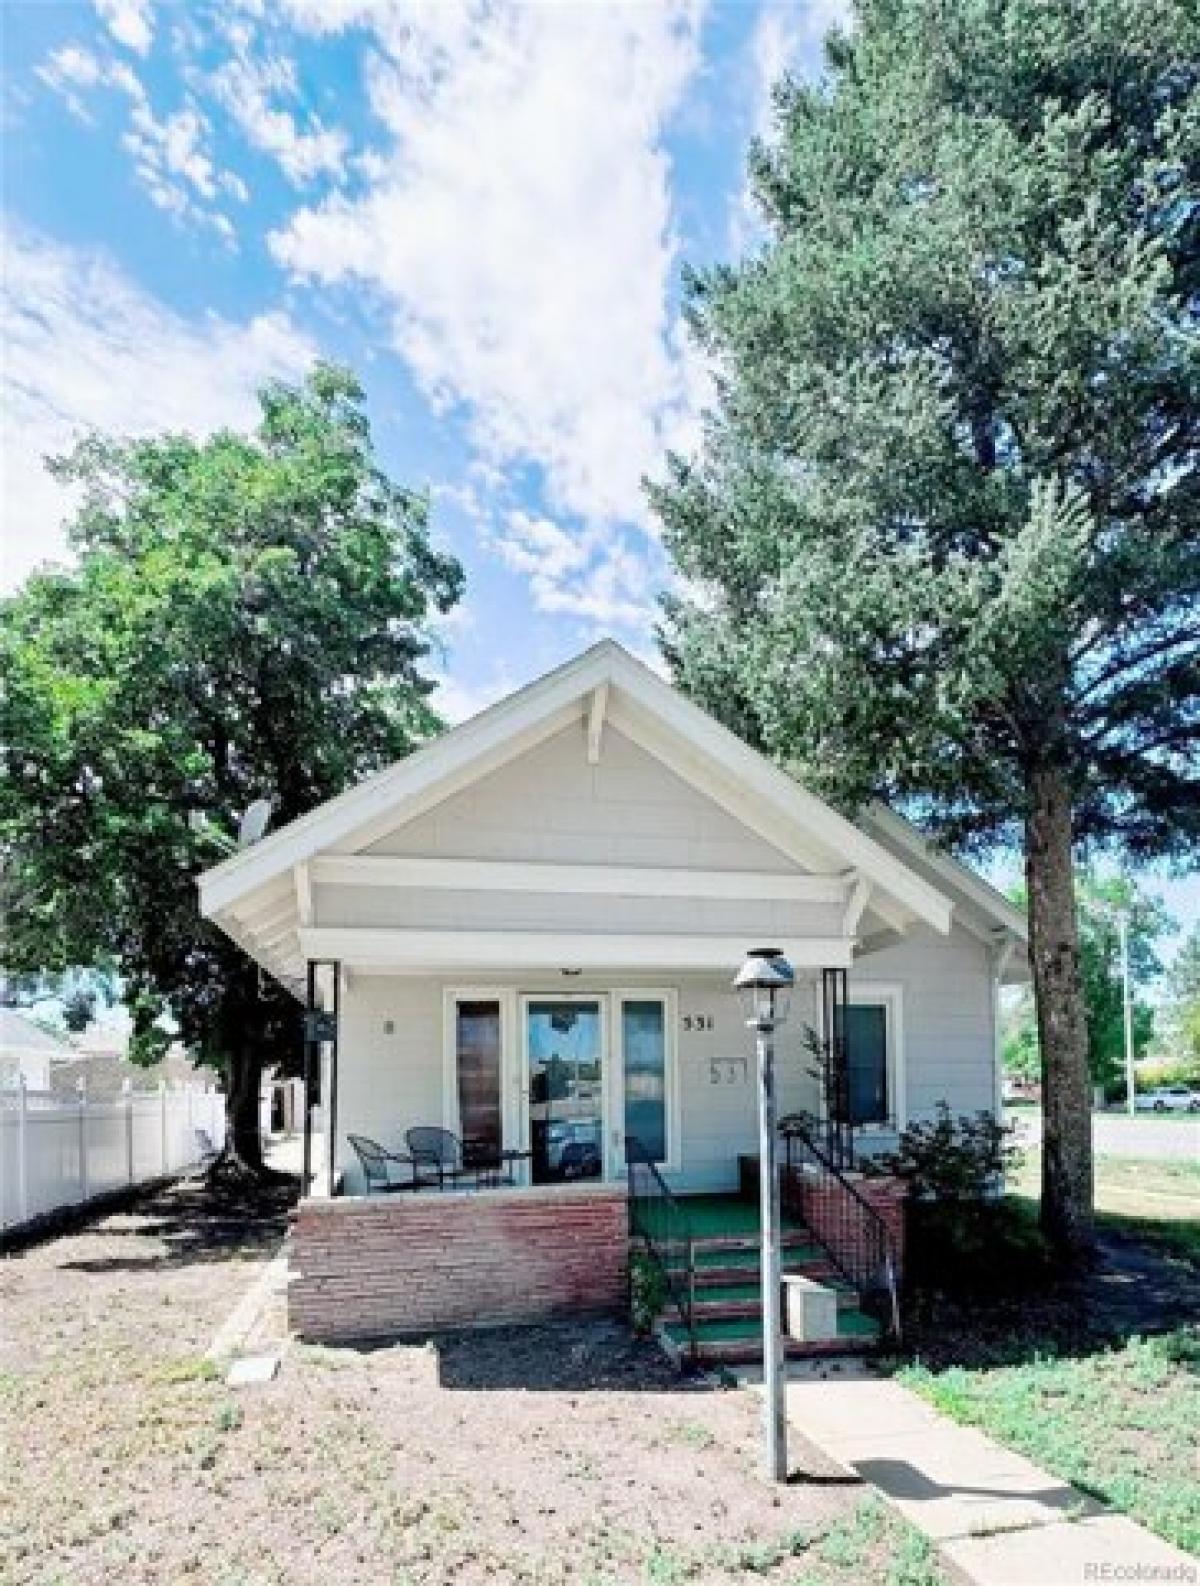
pixel 991 1513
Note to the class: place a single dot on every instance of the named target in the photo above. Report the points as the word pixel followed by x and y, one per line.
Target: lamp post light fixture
pixel 765 982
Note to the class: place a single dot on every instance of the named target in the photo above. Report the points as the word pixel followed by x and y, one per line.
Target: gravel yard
pixel 537 1455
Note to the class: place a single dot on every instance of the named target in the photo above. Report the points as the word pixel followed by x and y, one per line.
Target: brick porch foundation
pixel 820 1207
pixel 367 1267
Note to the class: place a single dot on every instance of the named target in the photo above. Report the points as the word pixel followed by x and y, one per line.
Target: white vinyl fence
pixel 60 1152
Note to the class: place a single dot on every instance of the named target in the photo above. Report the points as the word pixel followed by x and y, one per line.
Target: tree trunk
pixel 244 1141
pixel 1061 1016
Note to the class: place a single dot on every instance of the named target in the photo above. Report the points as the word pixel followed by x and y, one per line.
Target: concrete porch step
pixel 819 1267
pixel 714 1300
pixel 710 1244
pixel 738 1340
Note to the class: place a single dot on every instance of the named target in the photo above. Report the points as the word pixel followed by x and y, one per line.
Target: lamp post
pixel 765 981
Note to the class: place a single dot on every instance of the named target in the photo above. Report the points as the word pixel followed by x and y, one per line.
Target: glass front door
pixel 566 1088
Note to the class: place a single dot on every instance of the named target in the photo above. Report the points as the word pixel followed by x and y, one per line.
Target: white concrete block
pixel 811 1309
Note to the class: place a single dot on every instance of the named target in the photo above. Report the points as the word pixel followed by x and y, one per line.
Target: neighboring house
pixel 98 1060
pixel 530 929
pixel 27 1051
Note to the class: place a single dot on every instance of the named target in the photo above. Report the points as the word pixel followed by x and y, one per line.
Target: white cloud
pixel 247 88
pixel 71 71
pixel 594 573
pixel 171 157
pixel 518 231
pixel 128 21
pixel 458 701
pixel 88 349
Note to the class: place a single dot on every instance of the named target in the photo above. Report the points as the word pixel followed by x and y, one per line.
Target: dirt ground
pixel 542 1456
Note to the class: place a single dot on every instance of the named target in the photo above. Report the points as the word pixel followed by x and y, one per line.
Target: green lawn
pixel 1156 1201
pixel 1122 1420
pixel 1123 1425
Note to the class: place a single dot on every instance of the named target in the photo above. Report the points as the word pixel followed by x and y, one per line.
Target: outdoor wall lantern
pixel 764 983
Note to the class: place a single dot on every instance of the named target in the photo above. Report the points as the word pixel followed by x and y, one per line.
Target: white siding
pixel 551 804
pixel 949 1033
pixel 390 1081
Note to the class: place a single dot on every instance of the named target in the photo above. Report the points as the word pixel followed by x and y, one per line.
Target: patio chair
pixel 439 1153
pixel 376 1165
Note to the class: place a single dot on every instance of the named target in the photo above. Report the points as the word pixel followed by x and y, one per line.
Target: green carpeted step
pixel 733 1330
pixel 750 1256
pixel 728 1293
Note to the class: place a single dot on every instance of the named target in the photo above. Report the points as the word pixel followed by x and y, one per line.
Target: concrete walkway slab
pixel 996 1516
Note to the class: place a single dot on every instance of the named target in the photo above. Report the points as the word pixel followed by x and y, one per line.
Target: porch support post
pixel 309 1007
pixel 839 1132
pixel 333 1079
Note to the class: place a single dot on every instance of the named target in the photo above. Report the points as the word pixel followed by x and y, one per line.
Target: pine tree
pixel 940 542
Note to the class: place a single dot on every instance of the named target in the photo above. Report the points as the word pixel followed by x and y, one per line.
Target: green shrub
pixel 975 1247
pixel 647 1292
pixel 963 1238
pixel 954 1160
pixel 1179 1071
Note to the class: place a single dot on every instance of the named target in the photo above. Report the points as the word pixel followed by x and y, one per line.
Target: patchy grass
pixel 1122 1425
pixel 523 1457
pixel 1155 1201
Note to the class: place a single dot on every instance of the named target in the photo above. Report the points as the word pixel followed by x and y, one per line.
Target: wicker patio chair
pixel 376 1165
pixel 439 1153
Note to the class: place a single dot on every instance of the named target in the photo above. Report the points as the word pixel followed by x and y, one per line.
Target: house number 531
pixel 698 1021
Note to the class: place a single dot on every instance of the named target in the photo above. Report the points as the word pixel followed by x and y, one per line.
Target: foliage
pixel 1183 1007
pixel 939 545
pixel 1169 1071
pixel 246 618
pixel 962 1237
pixel 954 1160
pixel 1020 1054
pixel 1103 987
pixel 79 992
pixel 1120 1423
pixel 647 1292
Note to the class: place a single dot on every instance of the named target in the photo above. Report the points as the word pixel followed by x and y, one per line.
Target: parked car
pixel 1169 1098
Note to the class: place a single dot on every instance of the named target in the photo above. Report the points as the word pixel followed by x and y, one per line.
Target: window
pixel 477 1055
pixel 867 1061
pixel 644 1047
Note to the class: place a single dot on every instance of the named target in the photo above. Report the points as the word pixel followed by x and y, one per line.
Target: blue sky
pixel 483 208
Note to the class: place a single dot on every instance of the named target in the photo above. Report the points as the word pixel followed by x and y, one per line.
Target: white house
pixel 27 1051
pixel 529 931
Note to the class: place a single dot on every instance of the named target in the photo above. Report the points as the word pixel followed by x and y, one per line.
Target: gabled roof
pixel 19 1034
pixel 905 884
pixel 979 896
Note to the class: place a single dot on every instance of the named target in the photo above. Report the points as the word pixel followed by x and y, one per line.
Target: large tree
pixel 246 618
pixel 940 542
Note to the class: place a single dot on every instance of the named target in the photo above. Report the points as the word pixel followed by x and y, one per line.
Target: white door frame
pixel 602 1001
pixel 510 1100
pixel 615 1133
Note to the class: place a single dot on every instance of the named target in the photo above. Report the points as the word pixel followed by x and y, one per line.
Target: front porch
pixel 434 1261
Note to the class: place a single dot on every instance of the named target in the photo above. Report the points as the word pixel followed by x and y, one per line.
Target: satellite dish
pixel 253 823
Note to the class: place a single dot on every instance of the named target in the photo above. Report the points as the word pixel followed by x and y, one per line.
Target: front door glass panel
pixel 566 1111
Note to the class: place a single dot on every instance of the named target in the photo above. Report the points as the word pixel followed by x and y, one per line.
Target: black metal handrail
pixel 843 1222
pixel 658 1220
